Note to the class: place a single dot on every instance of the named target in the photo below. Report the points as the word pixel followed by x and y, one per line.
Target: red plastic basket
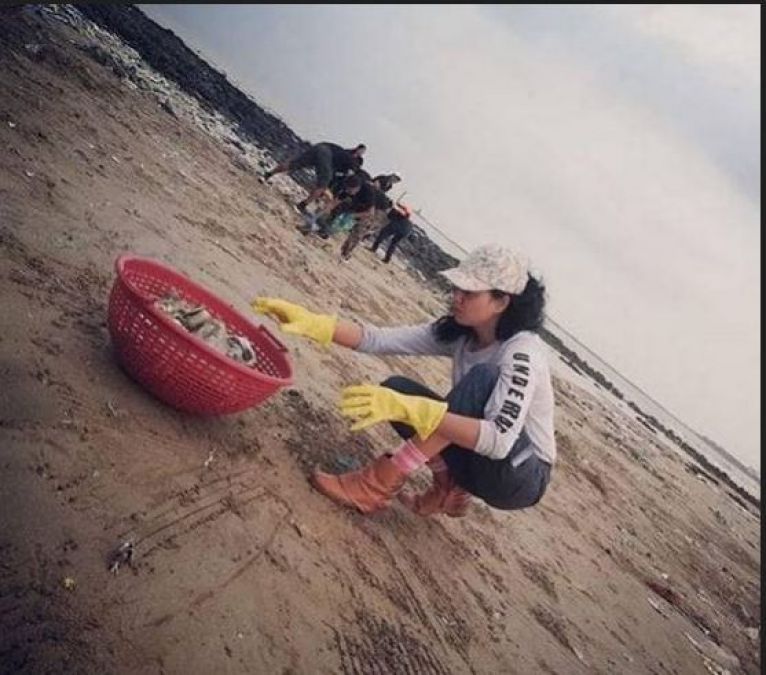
pixel 176 366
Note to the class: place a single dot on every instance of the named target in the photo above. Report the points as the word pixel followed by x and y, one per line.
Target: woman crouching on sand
pixel 492 436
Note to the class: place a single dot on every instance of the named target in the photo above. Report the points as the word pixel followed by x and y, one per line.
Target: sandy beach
pixel 632 563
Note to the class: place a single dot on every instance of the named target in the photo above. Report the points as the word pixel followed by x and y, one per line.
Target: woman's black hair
pixel 525 311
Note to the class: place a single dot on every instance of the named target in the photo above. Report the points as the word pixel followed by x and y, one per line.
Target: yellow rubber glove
pixel 297 320
pixel 370 404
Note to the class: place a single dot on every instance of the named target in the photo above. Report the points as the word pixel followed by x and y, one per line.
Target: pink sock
pixel 407 458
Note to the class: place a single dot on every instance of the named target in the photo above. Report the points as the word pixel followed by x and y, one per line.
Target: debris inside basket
pixel 198 321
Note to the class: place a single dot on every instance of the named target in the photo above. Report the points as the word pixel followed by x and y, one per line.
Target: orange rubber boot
pixel 367 490
pixel 444 496
pixel 430 502
pixel 457 502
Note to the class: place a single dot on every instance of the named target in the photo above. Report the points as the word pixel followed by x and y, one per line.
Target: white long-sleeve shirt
pixel 523 394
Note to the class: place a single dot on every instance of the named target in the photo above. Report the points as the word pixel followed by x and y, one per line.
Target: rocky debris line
pixel 110 51
pixel 731 458
pixel 169 56
pixel 578 364
pixel 426 257
pixel 581 366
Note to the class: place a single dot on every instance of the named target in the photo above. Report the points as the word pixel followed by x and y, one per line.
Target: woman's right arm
pixel 326 328
pixel 396 340
pixel 405 340
pixel 348 334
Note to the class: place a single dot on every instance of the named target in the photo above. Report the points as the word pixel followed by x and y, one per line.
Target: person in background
pixel 366 222
pixel 386 181
pixel 338 193
pixel 364 201
pixel 398 227
pixel 355 196
pixel 336 186
pixel 383 182
pixel 327 160
pixel 492 436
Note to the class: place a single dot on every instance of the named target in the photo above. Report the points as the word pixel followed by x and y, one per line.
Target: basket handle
pixel 274 342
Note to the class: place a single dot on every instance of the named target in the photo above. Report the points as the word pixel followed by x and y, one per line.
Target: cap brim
pixel 464 281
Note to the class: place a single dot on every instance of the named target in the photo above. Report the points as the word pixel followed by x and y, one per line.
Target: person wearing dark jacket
pixel 355 196
pixel 363 200
pixel 365 222
pixel 337 184
pixel 327 160
pixel 398 227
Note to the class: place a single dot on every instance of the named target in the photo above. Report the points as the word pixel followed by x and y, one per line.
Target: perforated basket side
pixel 176 366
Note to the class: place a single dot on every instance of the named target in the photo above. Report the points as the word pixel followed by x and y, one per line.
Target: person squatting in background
pixel 366 223
pixel 364 201
pixel 328 160
pixel 353 195
pixel 492 436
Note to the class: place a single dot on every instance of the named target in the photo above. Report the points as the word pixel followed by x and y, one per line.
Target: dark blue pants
pixel 496 481
pixel 397 230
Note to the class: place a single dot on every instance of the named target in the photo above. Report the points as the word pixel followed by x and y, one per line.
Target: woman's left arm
pixel 493 436
pixel 506 410
pixel 460 430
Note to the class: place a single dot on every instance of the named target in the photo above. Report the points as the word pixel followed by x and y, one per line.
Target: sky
pixel 618 146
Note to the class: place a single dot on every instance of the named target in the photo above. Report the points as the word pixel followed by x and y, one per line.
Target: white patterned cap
pixel 490 267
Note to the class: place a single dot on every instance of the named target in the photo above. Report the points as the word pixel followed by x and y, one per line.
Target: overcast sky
pixel 617 146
